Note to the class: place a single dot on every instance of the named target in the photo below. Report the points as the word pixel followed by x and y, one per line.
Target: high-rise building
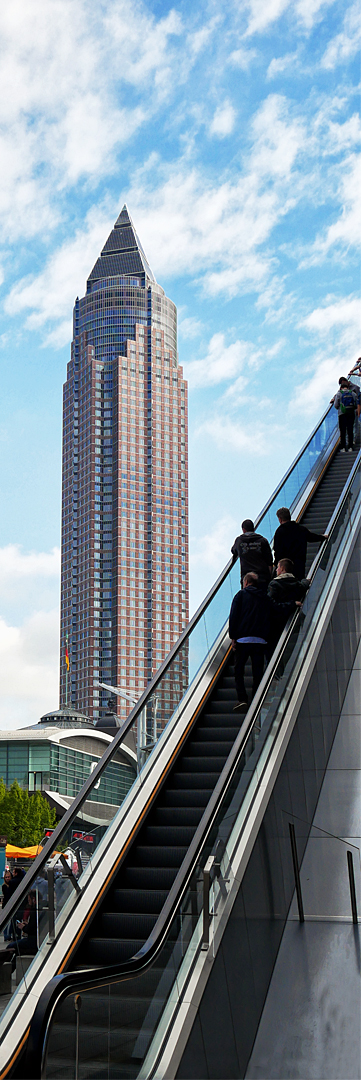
pixel 124 575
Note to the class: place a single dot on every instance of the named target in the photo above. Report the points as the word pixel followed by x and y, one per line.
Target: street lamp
pixel 142 746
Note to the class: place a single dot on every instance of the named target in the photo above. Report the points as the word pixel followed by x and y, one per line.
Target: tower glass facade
pixel 124 582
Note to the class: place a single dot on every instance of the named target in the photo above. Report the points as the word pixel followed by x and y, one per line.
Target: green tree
pixel 24 817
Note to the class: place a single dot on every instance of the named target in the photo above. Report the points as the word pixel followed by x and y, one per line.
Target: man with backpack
pixel 347 403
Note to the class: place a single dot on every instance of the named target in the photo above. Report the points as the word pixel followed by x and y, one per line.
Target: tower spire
pixel 122 254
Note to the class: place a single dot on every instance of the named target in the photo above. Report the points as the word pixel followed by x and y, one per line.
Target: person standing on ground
pixel 254 553
pixel 290 542
pixel 6 891
pixel 347 403
pixel 28 945
pixel 250 629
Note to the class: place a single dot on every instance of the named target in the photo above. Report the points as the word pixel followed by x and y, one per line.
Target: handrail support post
pixel 206 890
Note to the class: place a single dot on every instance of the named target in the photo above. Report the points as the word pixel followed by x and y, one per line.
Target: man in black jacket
pixel 290 542
pixel 285 587
pixel 282 589
pixel 250 628
pixel 254 553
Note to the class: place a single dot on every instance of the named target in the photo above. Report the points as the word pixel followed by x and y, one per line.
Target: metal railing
pixel 286 491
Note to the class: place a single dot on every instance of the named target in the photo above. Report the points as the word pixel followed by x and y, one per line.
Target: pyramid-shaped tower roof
pixel 122 253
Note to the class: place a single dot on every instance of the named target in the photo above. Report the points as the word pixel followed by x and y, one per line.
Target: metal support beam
pixel 351 877
pixel 296 872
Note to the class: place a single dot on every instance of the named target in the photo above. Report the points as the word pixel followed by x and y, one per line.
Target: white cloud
pixel 13 561
pixel 344 233
pixel 229 434
pixel 346 44
pixel 51 294
pixel 221 362
pixel 69 87
pixel 242 58
pixel 308 10
pixel 223 121
pixel 190 327
pixel 28 580
pixel 279 64
pixel 198 39
pixel 29 634
pixel 337 326
pixel 339 314
pixel 261 15
pixel 188 223
pixel 211 550
pixel 29 669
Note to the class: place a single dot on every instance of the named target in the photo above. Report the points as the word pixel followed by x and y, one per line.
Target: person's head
pixel 283 514
pixel 250 579
pixel 247 525
pixel 343 382
pixel 285 566
pixel 7 876
pixel 17 872
pixel 31 898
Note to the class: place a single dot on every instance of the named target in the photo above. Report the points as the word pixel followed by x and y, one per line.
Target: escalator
pixel 108 983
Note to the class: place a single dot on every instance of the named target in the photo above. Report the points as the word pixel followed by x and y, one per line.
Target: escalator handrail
pixel 21 892
pixel 61 985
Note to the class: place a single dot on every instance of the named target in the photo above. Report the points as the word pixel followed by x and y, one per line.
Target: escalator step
pixel 214 720
pixel 222 707
pixel 178 815
pixel 224 693
pixel 104 951
pixel 195 781
pixel 135 900
pixel 192 764
pixel 217 748
pixel 159 856
pixel 147 877
pixel 191 798
pixel 179 835
pixel 118 925
pixel 227 733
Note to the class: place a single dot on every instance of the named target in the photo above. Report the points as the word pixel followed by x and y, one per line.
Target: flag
pixel 67 661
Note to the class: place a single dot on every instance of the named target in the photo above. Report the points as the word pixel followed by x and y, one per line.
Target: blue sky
pixel 231 131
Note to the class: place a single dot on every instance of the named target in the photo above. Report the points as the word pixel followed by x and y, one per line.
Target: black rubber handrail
pixel 62 985
pixel 21 892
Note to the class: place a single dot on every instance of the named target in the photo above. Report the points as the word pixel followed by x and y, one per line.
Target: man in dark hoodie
pixel 254 553
pixel 250 628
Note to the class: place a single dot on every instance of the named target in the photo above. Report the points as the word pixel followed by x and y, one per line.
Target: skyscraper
pixel 124 571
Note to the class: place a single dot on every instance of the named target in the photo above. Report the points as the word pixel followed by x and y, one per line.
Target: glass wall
pixel 63 770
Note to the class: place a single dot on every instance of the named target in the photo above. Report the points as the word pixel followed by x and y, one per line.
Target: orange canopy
pixel 13 852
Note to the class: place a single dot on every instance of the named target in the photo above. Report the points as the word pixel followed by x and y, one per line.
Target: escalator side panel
pixel 242 969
